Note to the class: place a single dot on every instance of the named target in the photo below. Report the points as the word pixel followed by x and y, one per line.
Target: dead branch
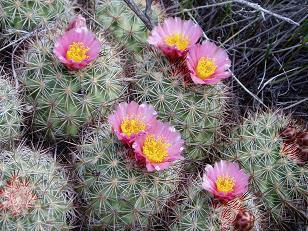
pixel 259 8
pixel 144 16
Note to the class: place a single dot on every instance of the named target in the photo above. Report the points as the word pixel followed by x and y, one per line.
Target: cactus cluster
pixel 10 112
pixel 278 181
pixel 35 192
pixel 120 195
pixel 123 24
pixel 196 111
pixel 126 166
pixel 19 17
pixel 65 100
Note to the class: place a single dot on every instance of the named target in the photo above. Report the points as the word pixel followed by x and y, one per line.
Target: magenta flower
pixel 159 147
pixel 175 36
pixel 208 63
pixel 78 46
pixel 131 120
pixel 226 180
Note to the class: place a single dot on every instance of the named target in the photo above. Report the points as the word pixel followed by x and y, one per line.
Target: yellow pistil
pixel 77 52
pixel 132 126
pixel 179 40
pixel 156 150
pixel 225 184
pixel 205 68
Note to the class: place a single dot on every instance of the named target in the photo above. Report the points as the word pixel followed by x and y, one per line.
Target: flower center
pixel 179 40
pixel 132 126
pixel 77 52
pixel 225 184
pixel 205 68
pixel 156 150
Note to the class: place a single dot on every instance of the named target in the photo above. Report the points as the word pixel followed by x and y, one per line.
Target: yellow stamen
pixel 132 126
pixel 179 40
pixel 156 150
pixel 205 68
pixel 77 52
pixel 225 184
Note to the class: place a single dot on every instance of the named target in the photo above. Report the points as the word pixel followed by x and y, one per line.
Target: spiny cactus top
pixel 175 36
pixel 20 16
pixel 207 63
pixel 35 194
pixel 278 180
pixel 196 111
pixel 120 194
pixel 122 22
pixel 10 112
pixel 65 100
pixel 17 196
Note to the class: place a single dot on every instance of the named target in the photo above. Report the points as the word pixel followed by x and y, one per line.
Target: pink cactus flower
pixel 131 120
pixel 225 180
pixel 175 36
pixel 208 63
pixel 159 147
pixel 78 47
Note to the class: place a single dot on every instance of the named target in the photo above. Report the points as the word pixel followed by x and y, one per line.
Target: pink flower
pixel 78 46
pixel 208 63
pixel 226 180
pixel 131 120
pixel 175 36
pixel 159 147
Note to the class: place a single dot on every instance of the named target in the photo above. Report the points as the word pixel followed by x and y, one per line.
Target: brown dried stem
pixel 144 16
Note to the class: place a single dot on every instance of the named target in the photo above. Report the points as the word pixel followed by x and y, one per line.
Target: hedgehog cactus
pixel 65 100
pixel 124 25
pixel 119 194
pixel 195 111
pixel 10 112
pixel 22 16
pixel 197 210
pixel 276 178
pixel 35 194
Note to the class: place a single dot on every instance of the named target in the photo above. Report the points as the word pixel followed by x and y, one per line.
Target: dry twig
pixel 259 8
pixel 142 15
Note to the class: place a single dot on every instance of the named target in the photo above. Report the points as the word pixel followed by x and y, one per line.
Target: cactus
pixel 276 179
pixel 195 111
pixel 124 25
pixel 120 195
pixel 22 16
pixel 35 194
pixel 10 113
pixel 65 100
pixel 197 210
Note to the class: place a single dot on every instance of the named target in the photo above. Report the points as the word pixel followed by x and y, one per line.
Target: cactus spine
pixel 279 181
pixel 22 16
pixel 65 100
pixel 119 194
pixel 124 25
pixel 35 194
pixel 195 111
pixel 10 113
